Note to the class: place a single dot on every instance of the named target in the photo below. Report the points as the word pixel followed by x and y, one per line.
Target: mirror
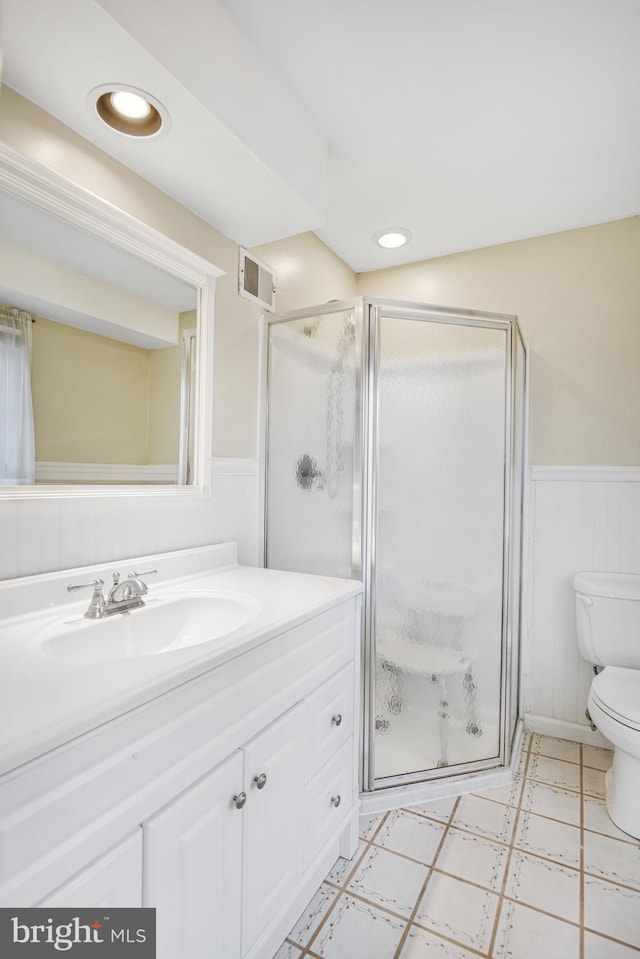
pixel 115 319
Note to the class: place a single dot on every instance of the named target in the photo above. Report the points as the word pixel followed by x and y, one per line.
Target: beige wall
pixel 308 272
pixel 98 400
pixel 90 396
pixel 577 295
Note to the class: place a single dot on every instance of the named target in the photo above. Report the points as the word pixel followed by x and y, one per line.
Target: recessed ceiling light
pixel 128 110
pixel 391 239
pixel 130 105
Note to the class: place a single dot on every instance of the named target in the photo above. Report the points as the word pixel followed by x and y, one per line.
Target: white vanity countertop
pixel 47 701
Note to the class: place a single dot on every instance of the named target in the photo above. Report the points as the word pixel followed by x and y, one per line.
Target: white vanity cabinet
pixel 222 802
pixel 193 868
pixel 272 858
pixel 241 824
pixel 112 879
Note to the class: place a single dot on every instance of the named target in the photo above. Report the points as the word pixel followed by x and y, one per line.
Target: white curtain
pixel 17 447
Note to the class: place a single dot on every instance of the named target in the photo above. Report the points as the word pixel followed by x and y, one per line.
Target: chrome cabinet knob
pixel 335 800
pixel 337 719
pixel 239 800
pixel 260 780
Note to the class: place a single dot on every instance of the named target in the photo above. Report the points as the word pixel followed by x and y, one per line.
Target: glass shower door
pixel 438 507
pixel 312 489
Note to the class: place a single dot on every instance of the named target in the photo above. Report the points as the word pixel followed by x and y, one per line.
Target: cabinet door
pixel 192 863
pixel 274 821
pixel 114 880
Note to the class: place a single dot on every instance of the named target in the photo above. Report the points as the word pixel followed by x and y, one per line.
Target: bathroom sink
pixel 161 626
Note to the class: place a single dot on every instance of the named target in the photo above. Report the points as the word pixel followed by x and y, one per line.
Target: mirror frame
pixel 42 187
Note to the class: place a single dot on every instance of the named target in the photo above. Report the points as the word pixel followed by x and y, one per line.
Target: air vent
pixel 256 281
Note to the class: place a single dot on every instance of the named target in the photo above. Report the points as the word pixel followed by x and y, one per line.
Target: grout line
pixel 496 842
pixel 376 905
pixel 420 896
pixel 604 935
pixel 528 755
pixel 543 912
pixel 514 830
pixel 573 762
pixel 613 882
pixel 341 889
pixel 454 942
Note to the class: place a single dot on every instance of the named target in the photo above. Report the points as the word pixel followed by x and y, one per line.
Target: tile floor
pixel 534 870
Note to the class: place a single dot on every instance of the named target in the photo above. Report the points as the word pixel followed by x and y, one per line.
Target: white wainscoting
pixel 234 484
pixel 40 535
pixel 51 472
pixel 580 518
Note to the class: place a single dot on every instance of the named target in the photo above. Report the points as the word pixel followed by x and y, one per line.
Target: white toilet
pixel 608 621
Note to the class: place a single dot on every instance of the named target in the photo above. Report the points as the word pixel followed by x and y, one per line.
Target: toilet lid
pixel 616 690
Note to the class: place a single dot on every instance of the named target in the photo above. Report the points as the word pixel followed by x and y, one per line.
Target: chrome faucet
pixel 122 596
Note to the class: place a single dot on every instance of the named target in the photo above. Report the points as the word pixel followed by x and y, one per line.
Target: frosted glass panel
pixel 439 554
pixel 310 483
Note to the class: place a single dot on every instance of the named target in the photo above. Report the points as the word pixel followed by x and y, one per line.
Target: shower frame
pixel 367 313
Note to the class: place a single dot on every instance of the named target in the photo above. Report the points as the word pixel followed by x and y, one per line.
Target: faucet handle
pixel 96 583
pixel 147 572
pixel 96 606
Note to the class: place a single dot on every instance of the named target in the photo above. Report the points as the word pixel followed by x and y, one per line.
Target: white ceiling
pixel 467 122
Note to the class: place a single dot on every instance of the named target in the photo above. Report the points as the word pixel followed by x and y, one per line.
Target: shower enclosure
pixel 394 454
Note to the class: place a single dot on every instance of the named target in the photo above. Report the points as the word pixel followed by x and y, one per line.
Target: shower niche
pixel 395 440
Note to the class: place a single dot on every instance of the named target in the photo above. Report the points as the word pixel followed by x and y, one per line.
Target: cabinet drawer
pixel 328 799
pixel 114 880
pixel 330 719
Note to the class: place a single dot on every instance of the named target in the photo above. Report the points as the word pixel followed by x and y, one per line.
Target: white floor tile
pixel 612 859
pixel 458 910
pixel 473 858
pixel 595 947
pixel 487 818
pixel 556 748
pixel 593 782
pixel 552 801
pixel 357 929
pixel 547 837
pixel 424 945
pixel 597 758
pixel 438 809
pixel 343 867
pixel 597 819
pixel 524 933
pixel 313 915
pixel 509 794
pixel 369 824
pixel 546 886
pixel 412 835
pixel 389 880
pixel 455 917
pixel 556 772
pixel 613 910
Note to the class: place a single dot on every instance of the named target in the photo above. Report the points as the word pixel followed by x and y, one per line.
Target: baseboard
pixel 560 729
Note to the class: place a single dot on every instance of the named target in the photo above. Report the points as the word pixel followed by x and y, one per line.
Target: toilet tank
pixel 608 618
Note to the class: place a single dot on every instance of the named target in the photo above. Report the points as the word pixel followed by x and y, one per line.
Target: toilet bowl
pixel 614 707
pixel 608 625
